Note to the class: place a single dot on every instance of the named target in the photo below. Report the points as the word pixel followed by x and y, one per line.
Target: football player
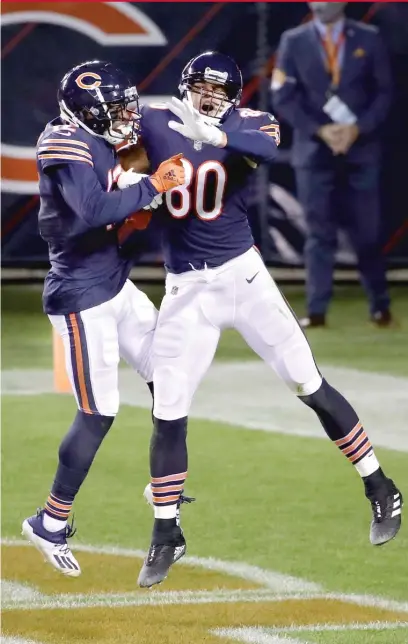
pixel 99 314
pixel 216 279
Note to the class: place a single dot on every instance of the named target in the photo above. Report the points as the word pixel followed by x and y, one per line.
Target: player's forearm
pixel 113 207
pixel 252 143
pixel 81 190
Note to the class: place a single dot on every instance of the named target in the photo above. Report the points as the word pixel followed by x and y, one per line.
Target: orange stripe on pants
pixel 80 364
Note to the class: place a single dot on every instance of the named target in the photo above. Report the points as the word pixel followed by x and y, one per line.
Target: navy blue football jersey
pixel 205 221
pixel 77 173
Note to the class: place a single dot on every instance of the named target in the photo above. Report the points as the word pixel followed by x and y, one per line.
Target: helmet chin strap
pixel 111 136
pixel 114 137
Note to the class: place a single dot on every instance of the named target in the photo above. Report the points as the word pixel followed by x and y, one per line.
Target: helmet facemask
pixel 210 99
pixel 116 121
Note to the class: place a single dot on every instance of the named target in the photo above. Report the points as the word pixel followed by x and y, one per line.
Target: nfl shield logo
pixel 198 145
pixel 174 290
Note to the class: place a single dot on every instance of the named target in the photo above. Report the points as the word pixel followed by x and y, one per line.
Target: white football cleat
pixel 52 545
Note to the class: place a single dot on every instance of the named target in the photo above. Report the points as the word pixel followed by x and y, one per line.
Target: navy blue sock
pixel 168 469
pixel 76 453
pixel 168 447
pixel 335 413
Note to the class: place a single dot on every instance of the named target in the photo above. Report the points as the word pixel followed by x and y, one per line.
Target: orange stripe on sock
pixel 63 515
pixel 367 447
pixel 354 444
pixel 52 497
pixel 60 506
pixel 167 488
pixel 169 479
pixel 350 435
pixel 165 499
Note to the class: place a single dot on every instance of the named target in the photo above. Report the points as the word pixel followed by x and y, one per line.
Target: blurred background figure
pixel 332 84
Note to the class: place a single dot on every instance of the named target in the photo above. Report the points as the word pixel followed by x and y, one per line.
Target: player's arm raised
pixel 259 143
pixel 81 190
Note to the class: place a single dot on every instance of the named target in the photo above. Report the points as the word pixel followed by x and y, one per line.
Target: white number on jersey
pixel 196 199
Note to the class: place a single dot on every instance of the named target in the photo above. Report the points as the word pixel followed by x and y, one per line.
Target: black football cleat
pixel 386 503
pixel 161 557
pixel 166 548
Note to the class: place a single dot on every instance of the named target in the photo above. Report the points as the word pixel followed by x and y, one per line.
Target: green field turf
pixel 284 503
pixel 349 637
pixel 349 341
pixel 281 502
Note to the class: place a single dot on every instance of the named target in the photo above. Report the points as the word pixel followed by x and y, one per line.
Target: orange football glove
pixel 137 221
pixel 169 174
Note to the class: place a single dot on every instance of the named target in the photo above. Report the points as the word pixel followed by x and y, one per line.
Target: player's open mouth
pixel 208 107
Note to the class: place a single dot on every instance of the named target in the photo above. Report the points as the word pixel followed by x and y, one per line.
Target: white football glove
pixel 194 125
pixel 130 178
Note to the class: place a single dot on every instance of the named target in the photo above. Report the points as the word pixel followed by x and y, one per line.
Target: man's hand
pixel 130 178
pixel 330 134
pixel 347 136
pixel 169 174
pixel 339 138
pixel 193 124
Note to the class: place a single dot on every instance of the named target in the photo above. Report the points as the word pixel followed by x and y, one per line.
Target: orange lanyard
pixel 333 56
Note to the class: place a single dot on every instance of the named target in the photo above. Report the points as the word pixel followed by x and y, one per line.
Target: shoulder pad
pixel 263 121
pixel 261 117
pixel 64 144
pixel 245 112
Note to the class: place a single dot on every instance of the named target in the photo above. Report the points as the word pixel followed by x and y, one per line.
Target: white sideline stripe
pixel 68 601
pixel 17 593
pixel 254 635
pixel 274 581
pixel 261 635
pixel 301 589
pixel 370 600
pixel 353 626
pixel 380 400
pixel 9 639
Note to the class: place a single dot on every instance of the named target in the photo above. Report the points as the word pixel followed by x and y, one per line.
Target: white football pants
pixel 199 304
pixel 95 339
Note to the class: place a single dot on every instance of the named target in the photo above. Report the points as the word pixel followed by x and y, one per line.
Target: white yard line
pixel 9 639
pixel 276 587
pixel 268 579
pixel 249 395
pixel 258 635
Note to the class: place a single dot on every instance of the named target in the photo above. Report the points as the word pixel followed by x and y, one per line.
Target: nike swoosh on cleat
pixel 252 278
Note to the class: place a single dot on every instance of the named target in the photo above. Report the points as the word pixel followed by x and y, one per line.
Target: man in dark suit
pixel 332 83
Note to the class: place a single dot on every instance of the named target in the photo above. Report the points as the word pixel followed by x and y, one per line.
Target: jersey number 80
pixel 192 194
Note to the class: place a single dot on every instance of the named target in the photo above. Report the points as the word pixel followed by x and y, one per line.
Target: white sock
pixel 53 525
pixel 368 465
pixel 165 512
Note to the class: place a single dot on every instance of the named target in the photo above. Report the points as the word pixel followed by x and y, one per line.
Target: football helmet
pixel 212 82
pixel 102 100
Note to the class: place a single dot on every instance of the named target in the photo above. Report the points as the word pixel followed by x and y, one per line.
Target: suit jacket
pixel 301 82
